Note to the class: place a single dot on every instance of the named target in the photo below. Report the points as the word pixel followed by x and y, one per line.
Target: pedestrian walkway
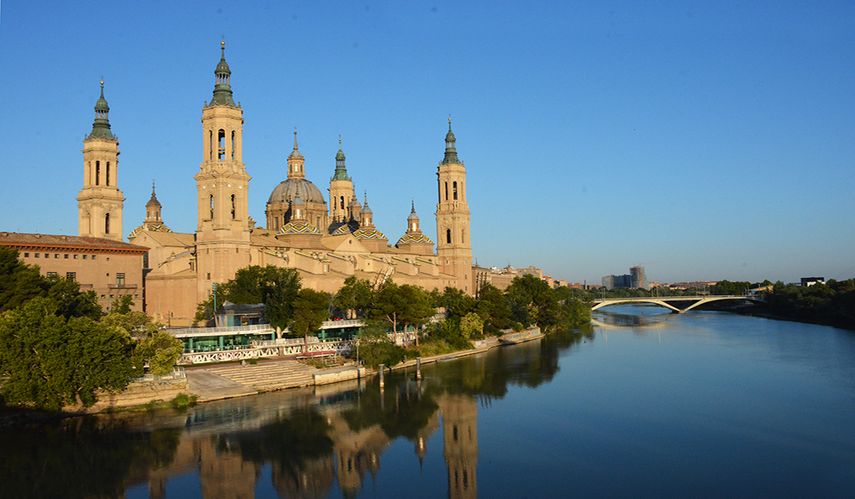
pixel 209 386
pixel 267 376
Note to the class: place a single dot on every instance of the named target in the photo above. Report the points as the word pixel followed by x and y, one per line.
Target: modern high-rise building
pixel 635 279
pixel 639 278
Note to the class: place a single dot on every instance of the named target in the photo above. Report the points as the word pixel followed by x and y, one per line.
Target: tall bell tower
pixel 100 202
pixel 341 189
pixel 453 247
pixel 222 232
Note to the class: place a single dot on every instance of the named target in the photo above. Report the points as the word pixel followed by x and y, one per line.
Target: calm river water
pixel 649 404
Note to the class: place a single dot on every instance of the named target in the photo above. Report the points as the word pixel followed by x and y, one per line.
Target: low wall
pixel 342 374
pixel 140 393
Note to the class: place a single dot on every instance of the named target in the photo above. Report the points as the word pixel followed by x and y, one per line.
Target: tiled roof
pixel 20 239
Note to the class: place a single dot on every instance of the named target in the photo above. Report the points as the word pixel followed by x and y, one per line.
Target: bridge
pixel 672 302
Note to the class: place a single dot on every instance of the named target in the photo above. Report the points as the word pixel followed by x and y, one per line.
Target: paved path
pixel 209 386
pixel 228 380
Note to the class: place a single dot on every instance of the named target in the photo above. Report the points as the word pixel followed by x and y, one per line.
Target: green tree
pixel 311 309
pixel 375 346
pixel 275 287
pixel 161 351
pixel 122 304
pixel 356 295
pixel 532 301
pixel 471 325
pixel 137 325
pixel 48 361
pixel 71 302
pixel 18 282
pixel 493 308
pixel 456 302
pixel 389 304
pixel 418 307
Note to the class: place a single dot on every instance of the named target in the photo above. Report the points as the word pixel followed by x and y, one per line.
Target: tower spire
pixel 222 86
pixel 340 165
pixel 450 146
pixel 101 125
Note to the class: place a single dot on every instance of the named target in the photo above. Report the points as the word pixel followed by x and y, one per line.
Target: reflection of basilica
pixel 228 467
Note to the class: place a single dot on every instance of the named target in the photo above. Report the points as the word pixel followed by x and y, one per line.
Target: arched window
pixel 446 191
pixel 211 206
pixel 107 223
pixel 454 189
pixel 233 144
pixel 221 144
pixel 448 236
pixel 341 200
pixel 463 236
pixel 210 144
pixel 107 182
pixel 97 173
pixel 233 206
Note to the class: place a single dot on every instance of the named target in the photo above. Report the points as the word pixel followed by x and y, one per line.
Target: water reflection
pixel 314 441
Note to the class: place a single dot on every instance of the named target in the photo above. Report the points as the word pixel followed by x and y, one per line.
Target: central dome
pixel 290 188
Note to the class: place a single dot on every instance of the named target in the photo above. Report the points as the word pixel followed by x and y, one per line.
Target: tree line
pixel 59 348
pixel 395 308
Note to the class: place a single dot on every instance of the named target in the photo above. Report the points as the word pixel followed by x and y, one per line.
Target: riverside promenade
pixel 222 381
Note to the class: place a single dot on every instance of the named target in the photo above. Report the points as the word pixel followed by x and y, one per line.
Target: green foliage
pixel 137 325
pixel 122 304
pixel 456 302
pixel 493 309
pixel 183 401
pixel 471 325
pixel 831 303
pixel 18 282
pixel 161 350
pixel 275 287
pixel 376 348
pixel 356 295
pixel 532 301
pixel 388 305
pixel 726 287
pixel 71 302
pixel 49 362
pixel 310 309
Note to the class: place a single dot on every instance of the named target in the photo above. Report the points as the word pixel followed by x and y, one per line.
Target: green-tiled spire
pixel 101 125
pixel 222 85
pixel 450 146
pixel 340 168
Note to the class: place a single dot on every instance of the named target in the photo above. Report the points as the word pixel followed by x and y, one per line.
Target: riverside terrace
pixel 234 343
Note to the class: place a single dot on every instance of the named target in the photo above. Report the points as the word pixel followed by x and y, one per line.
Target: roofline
pixel 130 248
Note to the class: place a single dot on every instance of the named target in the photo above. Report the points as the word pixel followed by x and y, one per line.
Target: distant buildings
pixel 810 281
pixel 502 277
pixel 636 278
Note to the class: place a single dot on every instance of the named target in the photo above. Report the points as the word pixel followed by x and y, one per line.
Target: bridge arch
pixel 666 301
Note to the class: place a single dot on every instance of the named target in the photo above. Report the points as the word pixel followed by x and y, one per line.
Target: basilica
pixel 325 240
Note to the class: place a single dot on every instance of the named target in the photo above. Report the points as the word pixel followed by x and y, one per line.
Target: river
pixel 648 404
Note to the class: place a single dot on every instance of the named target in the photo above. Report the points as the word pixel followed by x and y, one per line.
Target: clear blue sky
pixel 702 140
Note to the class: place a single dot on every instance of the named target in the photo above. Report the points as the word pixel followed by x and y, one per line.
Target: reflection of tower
pixel 313 479
pixel 225 473
pixel 460 437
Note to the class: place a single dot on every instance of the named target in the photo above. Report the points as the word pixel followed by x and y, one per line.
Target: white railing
pixel 195 332
pixel 227 355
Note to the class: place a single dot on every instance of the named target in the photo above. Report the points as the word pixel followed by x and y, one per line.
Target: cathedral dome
pixel 293 187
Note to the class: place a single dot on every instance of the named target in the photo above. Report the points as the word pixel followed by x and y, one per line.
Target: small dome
pixel 298 227
pixel 368 233
pixel 414 238
pixel 288 189
pixel 101 105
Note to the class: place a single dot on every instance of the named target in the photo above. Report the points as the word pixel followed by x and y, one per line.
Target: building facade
pixel 325 242
pixel 111 269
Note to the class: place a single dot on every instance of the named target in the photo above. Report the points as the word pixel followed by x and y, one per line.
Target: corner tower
pixel 453 248
pixel 100 202
pixel 223 231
